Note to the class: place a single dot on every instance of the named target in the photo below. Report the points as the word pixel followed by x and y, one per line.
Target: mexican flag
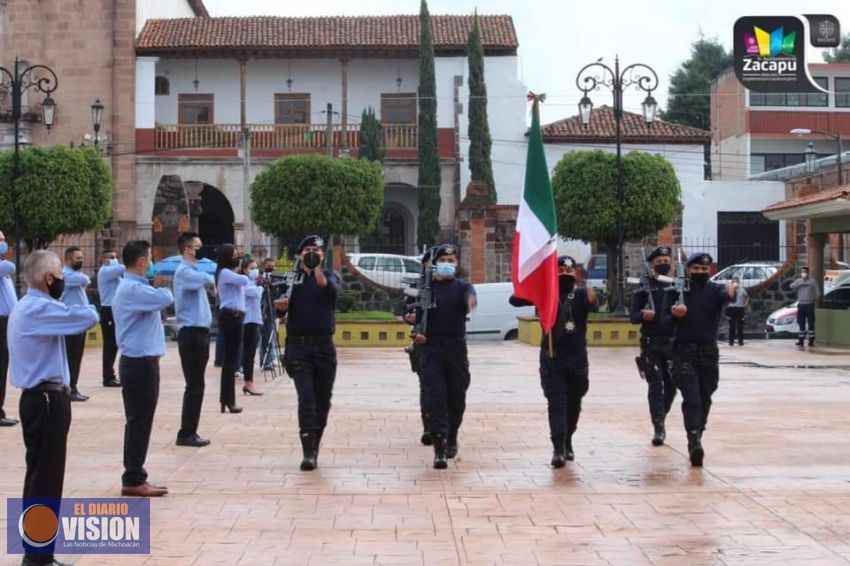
pixel 535 255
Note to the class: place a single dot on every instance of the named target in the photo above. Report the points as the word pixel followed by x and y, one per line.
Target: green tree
pixel 480 143
pixel 371 137
pixel 584 184
pixel 429 155
pixel 59 191
pixel 840 54
pixel 304 194
pixel 688 98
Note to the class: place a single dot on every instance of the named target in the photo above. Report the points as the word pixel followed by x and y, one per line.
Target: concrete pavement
pixel 774 487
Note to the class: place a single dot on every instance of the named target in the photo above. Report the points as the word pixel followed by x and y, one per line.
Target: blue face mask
pixel 4 248
pixel 446 269
pixel 253 274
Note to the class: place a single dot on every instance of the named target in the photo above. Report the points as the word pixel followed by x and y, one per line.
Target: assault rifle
pixel 288 281
pixel 421 289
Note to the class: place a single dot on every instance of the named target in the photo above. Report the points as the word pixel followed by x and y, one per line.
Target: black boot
pixel 800 342
pixel 426 439
pixel 660 433
pixel 440 462
pixel 695 451
pixel 568 447
pixel 309 447
pixel 811 342
pixel 559 450
pixel 319 434
pixel 451 445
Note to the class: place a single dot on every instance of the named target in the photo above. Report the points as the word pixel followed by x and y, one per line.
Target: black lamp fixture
pixel 398 79
pixel 196 82
pixel 96 119
pixel 48 112
pixel 810 156
pixel 289 77
pixel 650 109
pixel 585 109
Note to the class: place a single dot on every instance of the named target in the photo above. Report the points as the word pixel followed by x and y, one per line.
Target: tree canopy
pixel 371 137
pixel 429 179
pixel 688 98
pixel 480 142
pixel 840 54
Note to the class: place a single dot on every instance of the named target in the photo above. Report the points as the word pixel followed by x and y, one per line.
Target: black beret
pixel 445 249
pixel 660 251
pixel 566 260
pixel 429 254
pixel 313 240
pixel 701 258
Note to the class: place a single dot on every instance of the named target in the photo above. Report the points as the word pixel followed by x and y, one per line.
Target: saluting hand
pixel 732 290
pixel 647 315
pixel 409 318
pixel 679 311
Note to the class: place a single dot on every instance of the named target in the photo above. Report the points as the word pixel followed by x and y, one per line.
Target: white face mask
pixel 804 275
pixel 254 273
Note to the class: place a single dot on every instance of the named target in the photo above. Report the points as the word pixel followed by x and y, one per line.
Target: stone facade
pixel 484 233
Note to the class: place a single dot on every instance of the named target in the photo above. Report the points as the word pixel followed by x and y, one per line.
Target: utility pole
pixel 329 132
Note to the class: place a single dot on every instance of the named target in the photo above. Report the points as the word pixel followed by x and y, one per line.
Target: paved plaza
pixel 774 488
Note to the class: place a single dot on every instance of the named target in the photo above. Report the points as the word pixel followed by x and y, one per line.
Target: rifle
pixel 289 281
pixel 421 289
pixel 645 282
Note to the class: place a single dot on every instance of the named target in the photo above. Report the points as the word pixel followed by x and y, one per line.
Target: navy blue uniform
pixel 416 364
pixel 445 364
pixel 695 355
pixel 310 353
pixel 656 339
pixel 564 378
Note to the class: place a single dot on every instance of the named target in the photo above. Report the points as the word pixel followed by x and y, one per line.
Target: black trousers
pixel 75 344
pixel 193 344
pixel 110 346
pixel 45 420
pixel 565 382
pixel 140 377
pixel 445 365
pixel 423 392
pixel 312 368
pixel 806 319
pixel 736 324
pixel 230 329
pixel 696 372
pixel 250 339
pixel 4 363
pixel 661 389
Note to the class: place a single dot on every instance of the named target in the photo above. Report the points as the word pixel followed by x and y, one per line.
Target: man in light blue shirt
pixel 76 283
pixel 108 277
pixel 39 366
pixel 137 308
pixel 193 335
pixel 8 299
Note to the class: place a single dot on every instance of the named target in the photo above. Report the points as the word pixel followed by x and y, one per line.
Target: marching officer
pixel 108 277
pixel 76 283
pixel 445 364
pixel 564 376
pixel 39 366
pixel 310 354
pixel 8 300
pixel 695 317
pixel 656 342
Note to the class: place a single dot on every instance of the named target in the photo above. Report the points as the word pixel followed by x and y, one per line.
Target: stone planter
pixel 366 333
pixel 608 332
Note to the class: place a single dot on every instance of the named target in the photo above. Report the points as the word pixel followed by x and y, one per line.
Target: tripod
pixel 270 361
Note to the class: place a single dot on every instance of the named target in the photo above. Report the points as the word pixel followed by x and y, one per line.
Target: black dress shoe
pixel 193 440
pixel 112 383
pixel 79 397
pixel 8 422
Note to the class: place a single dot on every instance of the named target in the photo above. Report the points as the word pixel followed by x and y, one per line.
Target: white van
pixel 388 270
pixel 494 315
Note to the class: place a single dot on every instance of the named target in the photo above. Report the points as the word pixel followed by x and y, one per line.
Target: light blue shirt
pixel 75 287
pixel 36 335
pixel 253 314
pixel 190 295
pixel 8 298
pixel 108 278
pixel 230 290
pixel 136 309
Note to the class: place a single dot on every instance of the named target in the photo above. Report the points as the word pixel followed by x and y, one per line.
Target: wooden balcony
pixel 275 136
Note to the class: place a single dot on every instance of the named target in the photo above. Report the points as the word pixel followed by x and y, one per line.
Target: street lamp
pixel 836 137
pixel 641 77
pixel 96 119
pixel 810 157
pixel 17 82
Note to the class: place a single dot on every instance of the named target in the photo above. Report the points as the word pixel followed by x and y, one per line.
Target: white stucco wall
pixel 153 9
pixel 145 99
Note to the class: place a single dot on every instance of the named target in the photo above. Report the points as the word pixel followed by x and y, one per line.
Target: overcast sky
pixel 557 37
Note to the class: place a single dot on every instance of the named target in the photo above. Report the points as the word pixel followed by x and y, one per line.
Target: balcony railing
pixel 275 136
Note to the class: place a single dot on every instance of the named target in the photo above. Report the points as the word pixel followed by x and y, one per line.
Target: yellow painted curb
pixel 614 332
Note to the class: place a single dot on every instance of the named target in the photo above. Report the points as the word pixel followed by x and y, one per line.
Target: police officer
pixel 564 377
pixel 695 355
pixel 310 354
pixel 76 283
pixel 108 277
pixel 39 366
pixel 444 359
pixel 655 341
pixel 8 300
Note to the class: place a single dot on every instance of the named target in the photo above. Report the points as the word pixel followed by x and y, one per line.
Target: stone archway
pixel 396 232
pixel 215 221
pixel 170 216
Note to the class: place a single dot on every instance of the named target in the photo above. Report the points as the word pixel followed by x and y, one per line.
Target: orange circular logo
pixel 38 525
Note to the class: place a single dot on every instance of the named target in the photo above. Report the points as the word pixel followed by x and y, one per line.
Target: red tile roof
pixel 813 198
pixel 603 128
pixel 372 34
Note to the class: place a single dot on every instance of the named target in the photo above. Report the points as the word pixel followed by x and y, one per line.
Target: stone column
pixel 816 243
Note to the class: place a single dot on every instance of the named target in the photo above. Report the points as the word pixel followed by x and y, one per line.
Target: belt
pixel 319 339
pixel 233 312
pixel 197 329
pixel 140 358
pixel 51 386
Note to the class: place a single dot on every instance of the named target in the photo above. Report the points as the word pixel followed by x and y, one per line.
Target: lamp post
pixel 641 77
pixel 809 157
pixel 17 82
pixel 96 119
pixel 838 141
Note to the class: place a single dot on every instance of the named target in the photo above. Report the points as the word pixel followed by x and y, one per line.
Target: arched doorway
pixel 391 234
pixel 215 222
pixel 170 216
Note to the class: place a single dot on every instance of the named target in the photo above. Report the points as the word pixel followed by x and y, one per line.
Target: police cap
pixel 660 251
pixel 699 258
pixel 445 249
pixel 312 240
pixel 566 261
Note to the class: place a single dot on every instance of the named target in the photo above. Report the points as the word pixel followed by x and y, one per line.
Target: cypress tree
pixel 480 143
pixel 429 156
pixel 371 137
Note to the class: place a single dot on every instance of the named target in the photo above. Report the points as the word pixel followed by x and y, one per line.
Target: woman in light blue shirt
pixel 231 314
pixel 253 325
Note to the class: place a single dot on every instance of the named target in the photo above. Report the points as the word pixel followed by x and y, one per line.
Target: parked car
pixel 782 323
pixel 386 269
pixel 597 270
pixel 837 298
pixel 832 277
pixel 494 315
pixel 750 273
